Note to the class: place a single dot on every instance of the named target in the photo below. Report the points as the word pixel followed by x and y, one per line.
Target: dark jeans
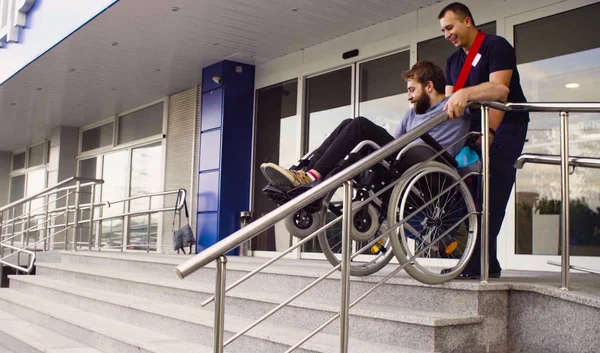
pixel 342 141
pixel 506 148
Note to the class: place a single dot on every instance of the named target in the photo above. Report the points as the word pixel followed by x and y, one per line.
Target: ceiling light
pixel 114 44
pixel 572 85
pixel 175 9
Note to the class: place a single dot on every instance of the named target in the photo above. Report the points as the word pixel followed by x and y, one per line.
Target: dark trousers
pixel 506 148
pixel 342 141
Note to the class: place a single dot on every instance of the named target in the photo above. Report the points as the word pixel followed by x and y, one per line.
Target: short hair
pixel 461 10
pixel 425 71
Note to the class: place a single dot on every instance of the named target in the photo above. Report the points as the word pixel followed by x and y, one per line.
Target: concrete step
pixel 18 335
pixel 95 331
pixel 385 325
pixel 185 323
pixel 290 276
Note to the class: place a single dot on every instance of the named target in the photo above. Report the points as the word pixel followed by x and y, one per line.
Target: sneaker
pixel 284 178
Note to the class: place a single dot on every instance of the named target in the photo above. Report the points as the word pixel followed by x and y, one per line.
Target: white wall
pixel 399 33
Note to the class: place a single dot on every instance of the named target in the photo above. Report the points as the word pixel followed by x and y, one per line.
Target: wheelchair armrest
pixel 447 157
pixel 364 143
pixel 367 143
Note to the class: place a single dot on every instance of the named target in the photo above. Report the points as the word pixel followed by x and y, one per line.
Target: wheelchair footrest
pixel 280 196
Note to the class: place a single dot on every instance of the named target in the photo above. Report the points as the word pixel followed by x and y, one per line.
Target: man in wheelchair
pixel 429 211
pixel 426 84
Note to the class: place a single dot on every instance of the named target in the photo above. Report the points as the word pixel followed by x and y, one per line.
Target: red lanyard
pixel 466 69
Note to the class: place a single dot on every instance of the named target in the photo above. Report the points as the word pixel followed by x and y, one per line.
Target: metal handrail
pixel 216 251
pixel 563 109
pixel 48 216
pixel 255 228
pixel 538 107
pixel 553 159
pixel 355 208
pixel 43 192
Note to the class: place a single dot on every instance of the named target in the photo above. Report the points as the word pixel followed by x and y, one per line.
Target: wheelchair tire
pixel 451 251
pixel 330 242
pixel 366 229
pixel 302 224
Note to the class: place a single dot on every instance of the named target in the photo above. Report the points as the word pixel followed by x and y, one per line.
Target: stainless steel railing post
pixel 245 219
pixel 91 220
pixel 564 179
pixel 485 215
pixel 346 243
pixel 76 215
pixel 220 305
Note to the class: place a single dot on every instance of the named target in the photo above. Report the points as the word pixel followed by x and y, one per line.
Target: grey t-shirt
pixel 445 134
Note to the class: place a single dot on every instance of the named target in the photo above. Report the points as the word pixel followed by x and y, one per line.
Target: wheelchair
pixel 429 212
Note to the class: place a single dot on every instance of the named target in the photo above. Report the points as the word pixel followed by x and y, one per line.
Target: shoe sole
pixel 276 175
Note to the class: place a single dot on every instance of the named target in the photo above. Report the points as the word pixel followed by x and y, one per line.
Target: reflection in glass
pixel 36 155
pixel 383 98
pixel 145 179
pixel 88 168
pixel 538 186
pixel 142 123
pixel 277 140
pixel 114 189
pixel 36 182
pixel 97 137
pixel 18 161
pixel 329 102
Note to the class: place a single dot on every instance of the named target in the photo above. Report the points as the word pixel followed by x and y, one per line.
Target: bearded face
pixel 422 103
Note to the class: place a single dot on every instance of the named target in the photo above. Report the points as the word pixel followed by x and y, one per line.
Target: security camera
pixel 217 79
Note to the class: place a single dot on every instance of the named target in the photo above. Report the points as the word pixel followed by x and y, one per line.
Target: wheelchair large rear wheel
pixel 366 227
pixel 447 257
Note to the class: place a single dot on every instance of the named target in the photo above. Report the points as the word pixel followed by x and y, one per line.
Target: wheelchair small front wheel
pixel 302 224
pixel 330 240
pixel 427 217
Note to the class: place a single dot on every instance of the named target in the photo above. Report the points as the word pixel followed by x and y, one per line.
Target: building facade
pixel 149 98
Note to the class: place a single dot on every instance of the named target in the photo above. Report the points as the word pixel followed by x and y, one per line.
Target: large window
pixel 135 169
pixel 101 136
pixel 558 61
pixel 140 124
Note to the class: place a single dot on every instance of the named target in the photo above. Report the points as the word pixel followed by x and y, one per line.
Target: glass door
pixel 376 91
pixel 329 100
pixel 145 179
pixel 561 70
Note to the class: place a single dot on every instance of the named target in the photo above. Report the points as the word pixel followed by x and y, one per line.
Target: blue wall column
pixel 225 150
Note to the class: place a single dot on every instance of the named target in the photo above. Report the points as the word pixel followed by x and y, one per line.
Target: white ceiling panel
pixel 88 76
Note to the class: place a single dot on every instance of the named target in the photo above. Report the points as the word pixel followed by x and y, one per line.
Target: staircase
pixel 114 302
pixel 90 302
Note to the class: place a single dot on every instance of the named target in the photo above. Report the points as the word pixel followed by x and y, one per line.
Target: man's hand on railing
pixel 457 104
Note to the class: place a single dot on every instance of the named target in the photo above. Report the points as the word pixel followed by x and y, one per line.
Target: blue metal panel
pixel 212 109
pixel 207 76
pixel 207 230
pixel 237 145
pixel 208 191
pixel 226 151
pixel 210 150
